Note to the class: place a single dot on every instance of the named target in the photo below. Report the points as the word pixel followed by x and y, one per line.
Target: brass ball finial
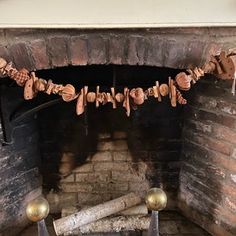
pixel 156 199
pixel 37 209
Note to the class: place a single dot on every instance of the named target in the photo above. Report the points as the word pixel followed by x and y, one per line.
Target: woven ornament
pixel 21 77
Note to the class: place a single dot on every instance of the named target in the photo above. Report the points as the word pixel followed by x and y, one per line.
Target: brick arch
pixel 175 48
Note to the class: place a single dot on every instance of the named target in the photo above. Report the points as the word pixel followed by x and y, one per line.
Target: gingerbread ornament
pixel 29 91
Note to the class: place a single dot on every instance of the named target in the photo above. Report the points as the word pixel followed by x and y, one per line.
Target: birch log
pixel 95 213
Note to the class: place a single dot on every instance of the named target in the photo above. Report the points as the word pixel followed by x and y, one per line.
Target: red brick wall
pixel 208 156
pixel 174 48
pixel 207 191
pixel 120 154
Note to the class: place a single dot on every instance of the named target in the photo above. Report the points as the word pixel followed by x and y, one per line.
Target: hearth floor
pixel 171 224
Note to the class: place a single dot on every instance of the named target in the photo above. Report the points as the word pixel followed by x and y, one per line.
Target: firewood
pixel 116 224
pixel 95 213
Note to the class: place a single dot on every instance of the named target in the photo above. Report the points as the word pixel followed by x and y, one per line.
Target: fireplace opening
pixel 81 161
pixel 103 154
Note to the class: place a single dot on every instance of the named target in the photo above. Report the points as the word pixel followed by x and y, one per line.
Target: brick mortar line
pixel 220 207
pixel 213 132
pixel 216 111
pixel 207 137
pixel 208 150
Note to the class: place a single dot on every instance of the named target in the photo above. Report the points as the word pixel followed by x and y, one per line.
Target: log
pixel 140 209
pixel 113 224
pixel 136 210
pixel 95 213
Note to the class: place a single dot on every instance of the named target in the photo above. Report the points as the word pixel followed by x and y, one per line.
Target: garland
pixel 220 65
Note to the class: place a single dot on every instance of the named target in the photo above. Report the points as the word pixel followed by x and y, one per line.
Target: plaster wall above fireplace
pixel 117 14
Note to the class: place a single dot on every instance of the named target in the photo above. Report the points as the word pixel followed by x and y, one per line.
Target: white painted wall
pixel 116 13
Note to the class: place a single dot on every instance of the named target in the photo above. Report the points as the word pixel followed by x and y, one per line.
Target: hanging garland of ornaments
pixel 220 65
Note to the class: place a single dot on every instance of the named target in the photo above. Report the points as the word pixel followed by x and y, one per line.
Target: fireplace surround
pixel 189 151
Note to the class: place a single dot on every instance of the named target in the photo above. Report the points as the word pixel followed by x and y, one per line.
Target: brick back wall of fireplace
pixel 208 175
pixel 118 156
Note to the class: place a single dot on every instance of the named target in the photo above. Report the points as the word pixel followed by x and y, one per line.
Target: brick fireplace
pixel 80 161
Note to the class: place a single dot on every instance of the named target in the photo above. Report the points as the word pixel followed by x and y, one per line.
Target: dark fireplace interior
pixel 82 161
pixel 145 146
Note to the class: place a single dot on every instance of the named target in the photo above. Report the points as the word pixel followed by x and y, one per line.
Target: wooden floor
pixel 171 224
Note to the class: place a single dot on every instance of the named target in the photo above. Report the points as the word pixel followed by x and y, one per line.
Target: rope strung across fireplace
pixel 220 65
